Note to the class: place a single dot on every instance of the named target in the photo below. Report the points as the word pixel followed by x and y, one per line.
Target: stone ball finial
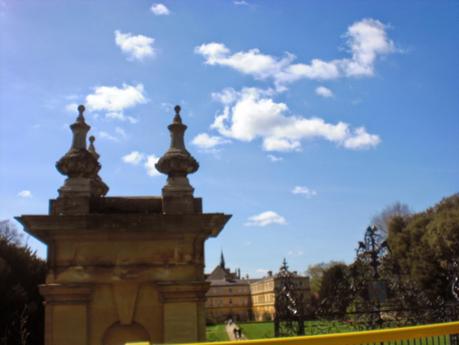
pixel 177 118
pixel 92 139
pixel 81 110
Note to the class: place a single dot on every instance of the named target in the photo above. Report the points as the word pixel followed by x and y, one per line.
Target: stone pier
pixel 124 268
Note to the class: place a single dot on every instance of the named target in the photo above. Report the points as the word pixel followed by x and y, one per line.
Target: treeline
pixel 21 308
pixel 418 265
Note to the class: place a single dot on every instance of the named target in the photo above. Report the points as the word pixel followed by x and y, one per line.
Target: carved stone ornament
pixel 177 162
pixel 81 165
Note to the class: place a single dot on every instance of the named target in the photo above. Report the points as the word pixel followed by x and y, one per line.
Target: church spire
pixel 222 260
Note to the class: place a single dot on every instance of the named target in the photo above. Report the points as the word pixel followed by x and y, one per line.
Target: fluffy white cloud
pixel 274 158
pixel 25 194
pixel 254 114
pixel 72 108
pixel 206 142
pixel 115 100
pixel 134 158
pixel 149 161
pixel 121 117
pixel 324 92
pixel 121 132
pixel 266 218
pixel 150 165
pixel 107 136
pixel 361 139
pixel 366 40
pixel 295 253
pixel 160 10
pixel 136 47
pixel 307 192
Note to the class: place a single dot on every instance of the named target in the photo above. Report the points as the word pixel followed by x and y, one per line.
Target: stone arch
pixel 118 334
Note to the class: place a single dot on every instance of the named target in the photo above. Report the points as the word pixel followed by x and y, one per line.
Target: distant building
pixel 228 296
pixel 263 295
pixel 244 299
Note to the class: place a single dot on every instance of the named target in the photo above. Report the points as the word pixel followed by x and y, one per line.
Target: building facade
pixel 228 296
pixel 231 297
pixel 264 293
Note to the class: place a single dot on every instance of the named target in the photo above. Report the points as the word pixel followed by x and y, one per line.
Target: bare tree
pixel 382 219
pixel 9 232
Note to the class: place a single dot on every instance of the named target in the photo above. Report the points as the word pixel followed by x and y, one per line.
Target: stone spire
pixel 81 166
pixel 222 260
pixel 177 163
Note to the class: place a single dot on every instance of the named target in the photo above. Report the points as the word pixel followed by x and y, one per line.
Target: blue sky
pixel 307 117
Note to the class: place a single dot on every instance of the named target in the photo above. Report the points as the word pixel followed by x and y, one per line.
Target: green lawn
pixel 257 330
pixel 216 333
pixel 260 330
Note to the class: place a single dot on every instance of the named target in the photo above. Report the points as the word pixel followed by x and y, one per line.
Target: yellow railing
pixel 355 338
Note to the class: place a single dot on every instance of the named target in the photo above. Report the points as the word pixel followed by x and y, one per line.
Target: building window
pixel 230 301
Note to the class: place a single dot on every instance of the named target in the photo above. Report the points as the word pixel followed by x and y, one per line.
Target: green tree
pixel 21 271
pixel 316 272
pixel 424 247
pixel 335 292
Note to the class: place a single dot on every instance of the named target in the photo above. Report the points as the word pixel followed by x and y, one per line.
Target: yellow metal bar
pixel 350 338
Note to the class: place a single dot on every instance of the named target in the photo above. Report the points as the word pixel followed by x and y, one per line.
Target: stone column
pixel 66 313
pixel 184 313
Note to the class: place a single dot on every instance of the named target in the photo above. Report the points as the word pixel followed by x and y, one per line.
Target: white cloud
pixel 134 158
pixel 324 92
pixel 121 132
pixel 366 40
pixel 150 165
pixel 107 136
pixel 160 10
pixel 115 100
pixel 254 114
pixel 262 270
pixel 295 253
pixel 25 194
pixel 361 140
pixel 148 161
pixel 114 115
pixel 136 47
pixel 72 108
pixel 307 192
pixel 266 218
pixel 274 158
pixel 206 142
pixel 227 96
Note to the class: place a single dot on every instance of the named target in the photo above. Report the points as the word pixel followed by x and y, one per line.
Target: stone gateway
pixel 124 269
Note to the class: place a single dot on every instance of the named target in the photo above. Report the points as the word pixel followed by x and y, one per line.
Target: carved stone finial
pixel 177 163
pixel 177 118
pixel 80 164
pixel 81 110
pixel 92 148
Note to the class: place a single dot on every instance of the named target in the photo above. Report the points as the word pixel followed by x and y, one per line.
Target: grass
pixel 216 333
pixel 257 330
pixel 261 330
